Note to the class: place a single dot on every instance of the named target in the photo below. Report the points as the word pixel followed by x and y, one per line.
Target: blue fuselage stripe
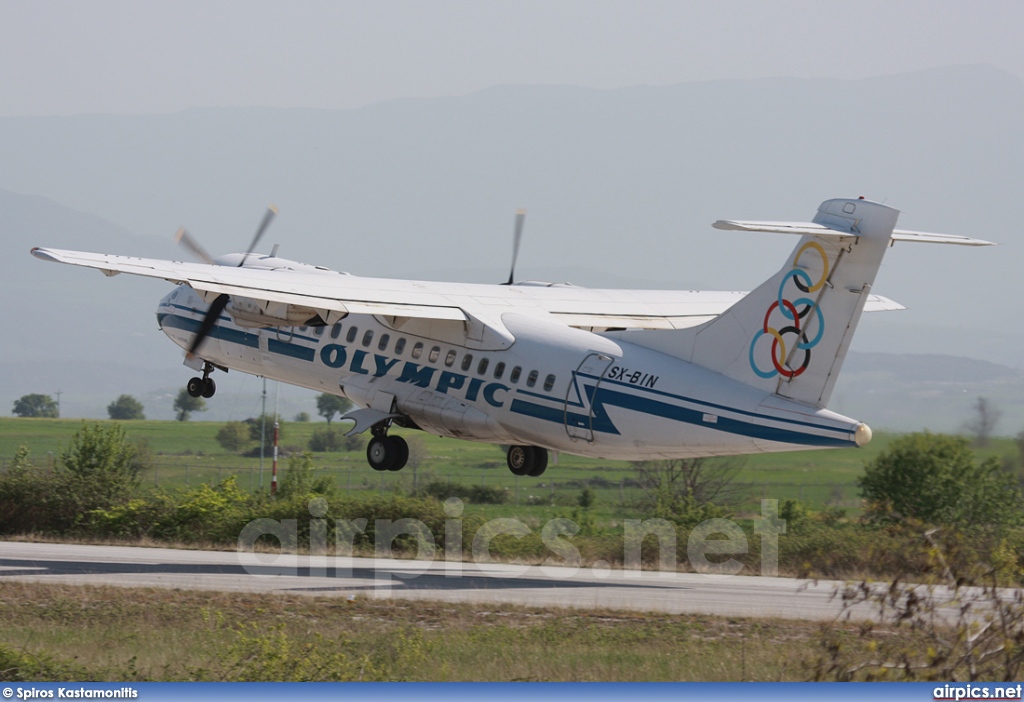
pixel 233 336
pixel 303 353
pixel 601 422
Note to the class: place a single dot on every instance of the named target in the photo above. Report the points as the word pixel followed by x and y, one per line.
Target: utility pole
pixel 263 429
pixel 277 426
pixel 58 394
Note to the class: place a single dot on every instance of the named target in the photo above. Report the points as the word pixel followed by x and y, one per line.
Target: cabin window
pixel 435 353
pixel 467 361
pixel 549 382
pixel 450 358
pixel 531 379
pixel 303 328
pixel 400 345
pixel 417 350
pixel 499 369
pixel 367 337
pixel 382 345
pixel 482 368
pixel 353 332
pixel 513 377
pixel 336 331
pixel 319 331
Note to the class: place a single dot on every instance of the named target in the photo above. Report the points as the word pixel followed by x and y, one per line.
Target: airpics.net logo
pixel 710 545
pixel 977 692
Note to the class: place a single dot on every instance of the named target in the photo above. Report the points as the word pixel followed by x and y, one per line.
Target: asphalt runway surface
pixel 671 593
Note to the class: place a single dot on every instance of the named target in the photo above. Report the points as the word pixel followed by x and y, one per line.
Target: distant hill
pixel 906 392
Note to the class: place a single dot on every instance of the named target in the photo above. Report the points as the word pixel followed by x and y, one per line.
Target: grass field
pixel 119 634
pixel 187 453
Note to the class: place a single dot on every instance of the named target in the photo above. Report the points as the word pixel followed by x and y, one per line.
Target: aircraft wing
pixel 329 292
pixel 320 290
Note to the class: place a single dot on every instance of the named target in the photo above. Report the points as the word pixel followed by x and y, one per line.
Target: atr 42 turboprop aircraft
pixel 624 374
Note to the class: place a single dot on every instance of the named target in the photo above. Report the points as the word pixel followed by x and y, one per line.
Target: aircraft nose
pixel 165 307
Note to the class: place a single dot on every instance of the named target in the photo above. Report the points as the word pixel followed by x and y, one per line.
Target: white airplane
pixel 617 374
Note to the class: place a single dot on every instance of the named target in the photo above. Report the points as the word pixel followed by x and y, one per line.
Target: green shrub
pixel 474 494
pixel 22 666
pixel 234 436
pixel 935 479
pixel 327 439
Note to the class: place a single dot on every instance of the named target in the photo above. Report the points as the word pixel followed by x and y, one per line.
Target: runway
pixel 671 593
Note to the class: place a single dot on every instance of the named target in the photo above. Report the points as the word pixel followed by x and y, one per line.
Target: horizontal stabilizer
pixel 930 238
pixel 839 228
pixel 877 303
pixel 802 228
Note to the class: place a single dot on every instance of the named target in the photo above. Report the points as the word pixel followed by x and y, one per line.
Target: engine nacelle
pixel 247 312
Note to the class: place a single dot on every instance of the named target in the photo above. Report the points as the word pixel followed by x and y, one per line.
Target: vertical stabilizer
pixel 790 335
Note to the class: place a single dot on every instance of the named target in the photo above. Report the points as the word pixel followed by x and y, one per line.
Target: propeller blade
pixel 212 314
pixel 267 218
pixel 517 237
pixel 183 238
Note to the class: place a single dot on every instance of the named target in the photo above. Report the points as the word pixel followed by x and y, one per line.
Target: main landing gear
pixel 386 452
pixel 527 460
pixel 202 387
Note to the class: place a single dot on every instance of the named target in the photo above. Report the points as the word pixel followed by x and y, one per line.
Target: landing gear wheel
pixel 540 462
pixel 380 453
pixel 195 387
pixel 520 459
pixel 399 450
pixel 209 388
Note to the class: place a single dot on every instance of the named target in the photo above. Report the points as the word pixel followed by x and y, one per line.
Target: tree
pixel 233 436
pixel 934 478
pixel 256 428
pixel 328 405
pixel 986 417
pixel 125 407
pixel 326 439
pixel 36 406
pixel 302 417
pixel 185 405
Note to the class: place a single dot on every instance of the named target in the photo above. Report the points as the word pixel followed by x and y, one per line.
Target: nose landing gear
pixel 202 387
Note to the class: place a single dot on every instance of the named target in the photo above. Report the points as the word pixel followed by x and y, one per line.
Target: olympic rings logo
pixel 796 317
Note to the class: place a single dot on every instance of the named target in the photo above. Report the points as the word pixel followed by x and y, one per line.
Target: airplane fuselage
pixel 546 385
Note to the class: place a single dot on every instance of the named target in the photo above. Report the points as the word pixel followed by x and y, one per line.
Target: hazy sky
pixel 109 56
